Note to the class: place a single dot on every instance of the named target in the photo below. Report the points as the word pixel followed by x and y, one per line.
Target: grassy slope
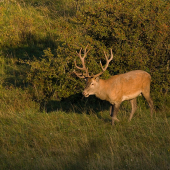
pixel 70 140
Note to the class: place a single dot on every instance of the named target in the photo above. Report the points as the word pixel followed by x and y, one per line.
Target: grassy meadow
pixel 71 134
pixel 75 139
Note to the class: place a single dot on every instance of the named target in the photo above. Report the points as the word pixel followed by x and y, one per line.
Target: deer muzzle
pixel 85 94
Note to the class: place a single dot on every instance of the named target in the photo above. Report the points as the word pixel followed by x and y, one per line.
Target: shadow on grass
pixel 79 104
pixel 86 153
pixel 29 48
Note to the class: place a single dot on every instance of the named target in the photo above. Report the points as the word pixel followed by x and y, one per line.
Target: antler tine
pixel 80 75
pixel 107 63
pixel 83 63
pixel 85 50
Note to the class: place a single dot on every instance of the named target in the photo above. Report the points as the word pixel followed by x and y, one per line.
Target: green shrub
pixel 137 31
pixel 49 75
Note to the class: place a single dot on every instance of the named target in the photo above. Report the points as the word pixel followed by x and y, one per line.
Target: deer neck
pixel 101 90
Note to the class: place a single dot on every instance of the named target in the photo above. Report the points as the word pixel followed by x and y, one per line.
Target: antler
pixel 107 64
pixel 82 75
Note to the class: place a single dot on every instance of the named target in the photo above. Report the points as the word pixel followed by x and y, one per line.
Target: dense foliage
pixel 137 31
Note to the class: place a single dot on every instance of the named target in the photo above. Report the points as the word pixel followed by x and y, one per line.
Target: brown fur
pixel 119 88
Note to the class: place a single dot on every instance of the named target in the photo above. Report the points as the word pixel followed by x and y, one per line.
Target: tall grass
pixel 71 140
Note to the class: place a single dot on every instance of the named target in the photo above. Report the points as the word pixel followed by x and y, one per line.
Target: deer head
pixel 92 82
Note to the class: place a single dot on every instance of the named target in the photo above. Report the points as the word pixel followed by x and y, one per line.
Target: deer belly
pixel 131 96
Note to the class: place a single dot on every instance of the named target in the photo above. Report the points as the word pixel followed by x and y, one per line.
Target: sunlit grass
pixel 68 140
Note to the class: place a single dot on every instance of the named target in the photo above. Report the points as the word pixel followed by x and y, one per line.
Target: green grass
pixel 70 140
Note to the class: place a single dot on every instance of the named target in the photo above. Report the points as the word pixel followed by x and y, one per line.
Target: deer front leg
pixel 113 113
pixel 134 107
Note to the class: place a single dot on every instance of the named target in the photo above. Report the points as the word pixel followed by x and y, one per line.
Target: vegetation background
pixel 45 123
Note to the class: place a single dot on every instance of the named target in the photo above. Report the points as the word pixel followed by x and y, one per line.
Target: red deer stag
pixel 117 88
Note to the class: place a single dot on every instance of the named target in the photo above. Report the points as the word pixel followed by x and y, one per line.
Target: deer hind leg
pixel 134 107
pixel 146 94
pixel 113 112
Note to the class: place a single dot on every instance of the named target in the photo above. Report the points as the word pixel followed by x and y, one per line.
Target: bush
pixel 49 75
pixel 138 33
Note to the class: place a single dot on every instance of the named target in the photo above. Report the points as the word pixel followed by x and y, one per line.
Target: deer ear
pixel 97 79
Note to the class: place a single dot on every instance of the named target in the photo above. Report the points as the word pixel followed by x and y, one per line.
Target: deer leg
pixel 134 107
pixel 150 102
pixel 111 110
pixel 114 114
